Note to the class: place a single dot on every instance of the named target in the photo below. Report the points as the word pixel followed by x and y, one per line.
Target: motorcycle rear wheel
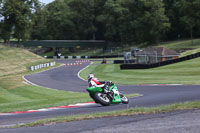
pixel 102 99
pixel 124 99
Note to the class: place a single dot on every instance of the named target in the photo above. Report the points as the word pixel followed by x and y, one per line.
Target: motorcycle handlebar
pixel 109 82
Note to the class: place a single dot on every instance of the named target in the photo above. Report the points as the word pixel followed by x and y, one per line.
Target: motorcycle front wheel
pixel 96 101
pixel 102 99
pixel 124 99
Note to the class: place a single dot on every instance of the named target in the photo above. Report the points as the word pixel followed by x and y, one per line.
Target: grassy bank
pixel 16 95
pixel 14 61
pixel 189 52
pixel 187 72
pixel 184 44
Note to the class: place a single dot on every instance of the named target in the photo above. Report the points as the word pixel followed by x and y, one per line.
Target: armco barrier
pixel 122 61
pixel 78 57
pixel 84 57
pixel 106 56
pixel 36 67
pixel 147 66
pixel 62 57
pixel 70 57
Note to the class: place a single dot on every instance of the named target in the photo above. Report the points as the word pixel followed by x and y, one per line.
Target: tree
pixel 172 10
pixel 114 18
pixel 184 18
pixel 97 22
pixel 38 31
pixel 58 23
pixel 139 21
pixel 72 19
pixel 123 21
pixel 17 18
pixel 190 15
pixel 83 16
pixel 147 21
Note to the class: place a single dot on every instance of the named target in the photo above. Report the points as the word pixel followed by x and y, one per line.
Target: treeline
pixel 122 21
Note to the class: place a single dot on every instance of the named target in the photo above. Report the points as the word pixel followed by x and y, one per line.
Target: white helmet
pixel 91 75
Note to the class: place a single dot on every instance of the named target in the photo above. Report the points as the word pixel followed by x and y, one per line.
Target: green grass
pixel 30 97
pixel 15 60
pixel 15 95
pixel 189 52
pixel 187 72
pixel 185 44
pixel 128 112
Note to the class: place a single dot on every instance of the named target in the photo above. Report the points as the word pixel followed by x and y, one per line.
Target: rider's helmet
pixel 91 75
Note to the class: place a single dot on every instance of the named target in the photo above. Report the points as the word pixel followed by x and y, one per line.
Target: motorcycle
pixel 107 96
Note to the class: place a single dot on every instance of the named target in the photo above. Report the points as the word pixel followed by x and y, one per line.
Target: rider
pixel 94 82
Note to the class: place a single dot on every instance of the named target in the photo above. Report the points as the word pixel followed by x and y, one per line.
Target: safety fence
pixel 44 65
pixel 69 57
pixel 159 64
pixel 83 57
pixel 106 56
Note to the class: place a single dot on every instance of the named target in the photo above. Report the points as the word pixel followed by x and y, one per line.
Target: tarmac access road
pixel 65 78
pixel 187 121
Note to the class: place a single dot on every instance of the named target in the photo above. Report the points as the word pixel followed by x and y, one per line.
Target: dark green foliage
pixel 117 21
pixel 17 18
pixel 184 17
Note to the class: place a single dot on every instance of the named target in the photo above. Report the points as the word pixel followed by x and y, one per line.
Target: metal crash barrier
pixel 44 65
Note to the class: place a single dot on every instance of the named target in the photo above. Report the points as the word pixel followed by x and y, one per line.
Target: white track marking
pixel 82 70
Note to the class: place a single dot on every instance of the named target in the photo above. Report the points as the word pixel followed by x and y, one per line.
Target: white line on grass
pixel 78 74
pixel 31 83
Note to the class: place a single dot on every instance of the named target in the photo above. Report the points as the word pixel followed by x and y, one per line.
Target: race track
pixel 65 78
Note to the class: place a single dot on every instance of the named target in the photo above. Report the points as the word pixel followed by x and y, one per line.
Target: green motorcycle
pixel 107 96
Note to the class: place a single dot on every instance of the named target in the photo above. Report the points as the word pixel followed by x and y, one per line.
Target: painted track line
pixel 78 74
pixel 161 84
pixel 31 83
pixel 50 109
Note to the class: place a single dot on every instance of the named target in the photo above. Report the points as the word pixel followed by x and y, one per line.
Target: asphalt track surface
pixel 65 78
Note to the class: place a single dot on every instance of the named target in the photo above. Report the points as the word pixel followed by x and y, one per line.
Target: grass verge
pixel 31 97
pixel 189 52
pixel 184 44
pixel 131 111
pixel 187 72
